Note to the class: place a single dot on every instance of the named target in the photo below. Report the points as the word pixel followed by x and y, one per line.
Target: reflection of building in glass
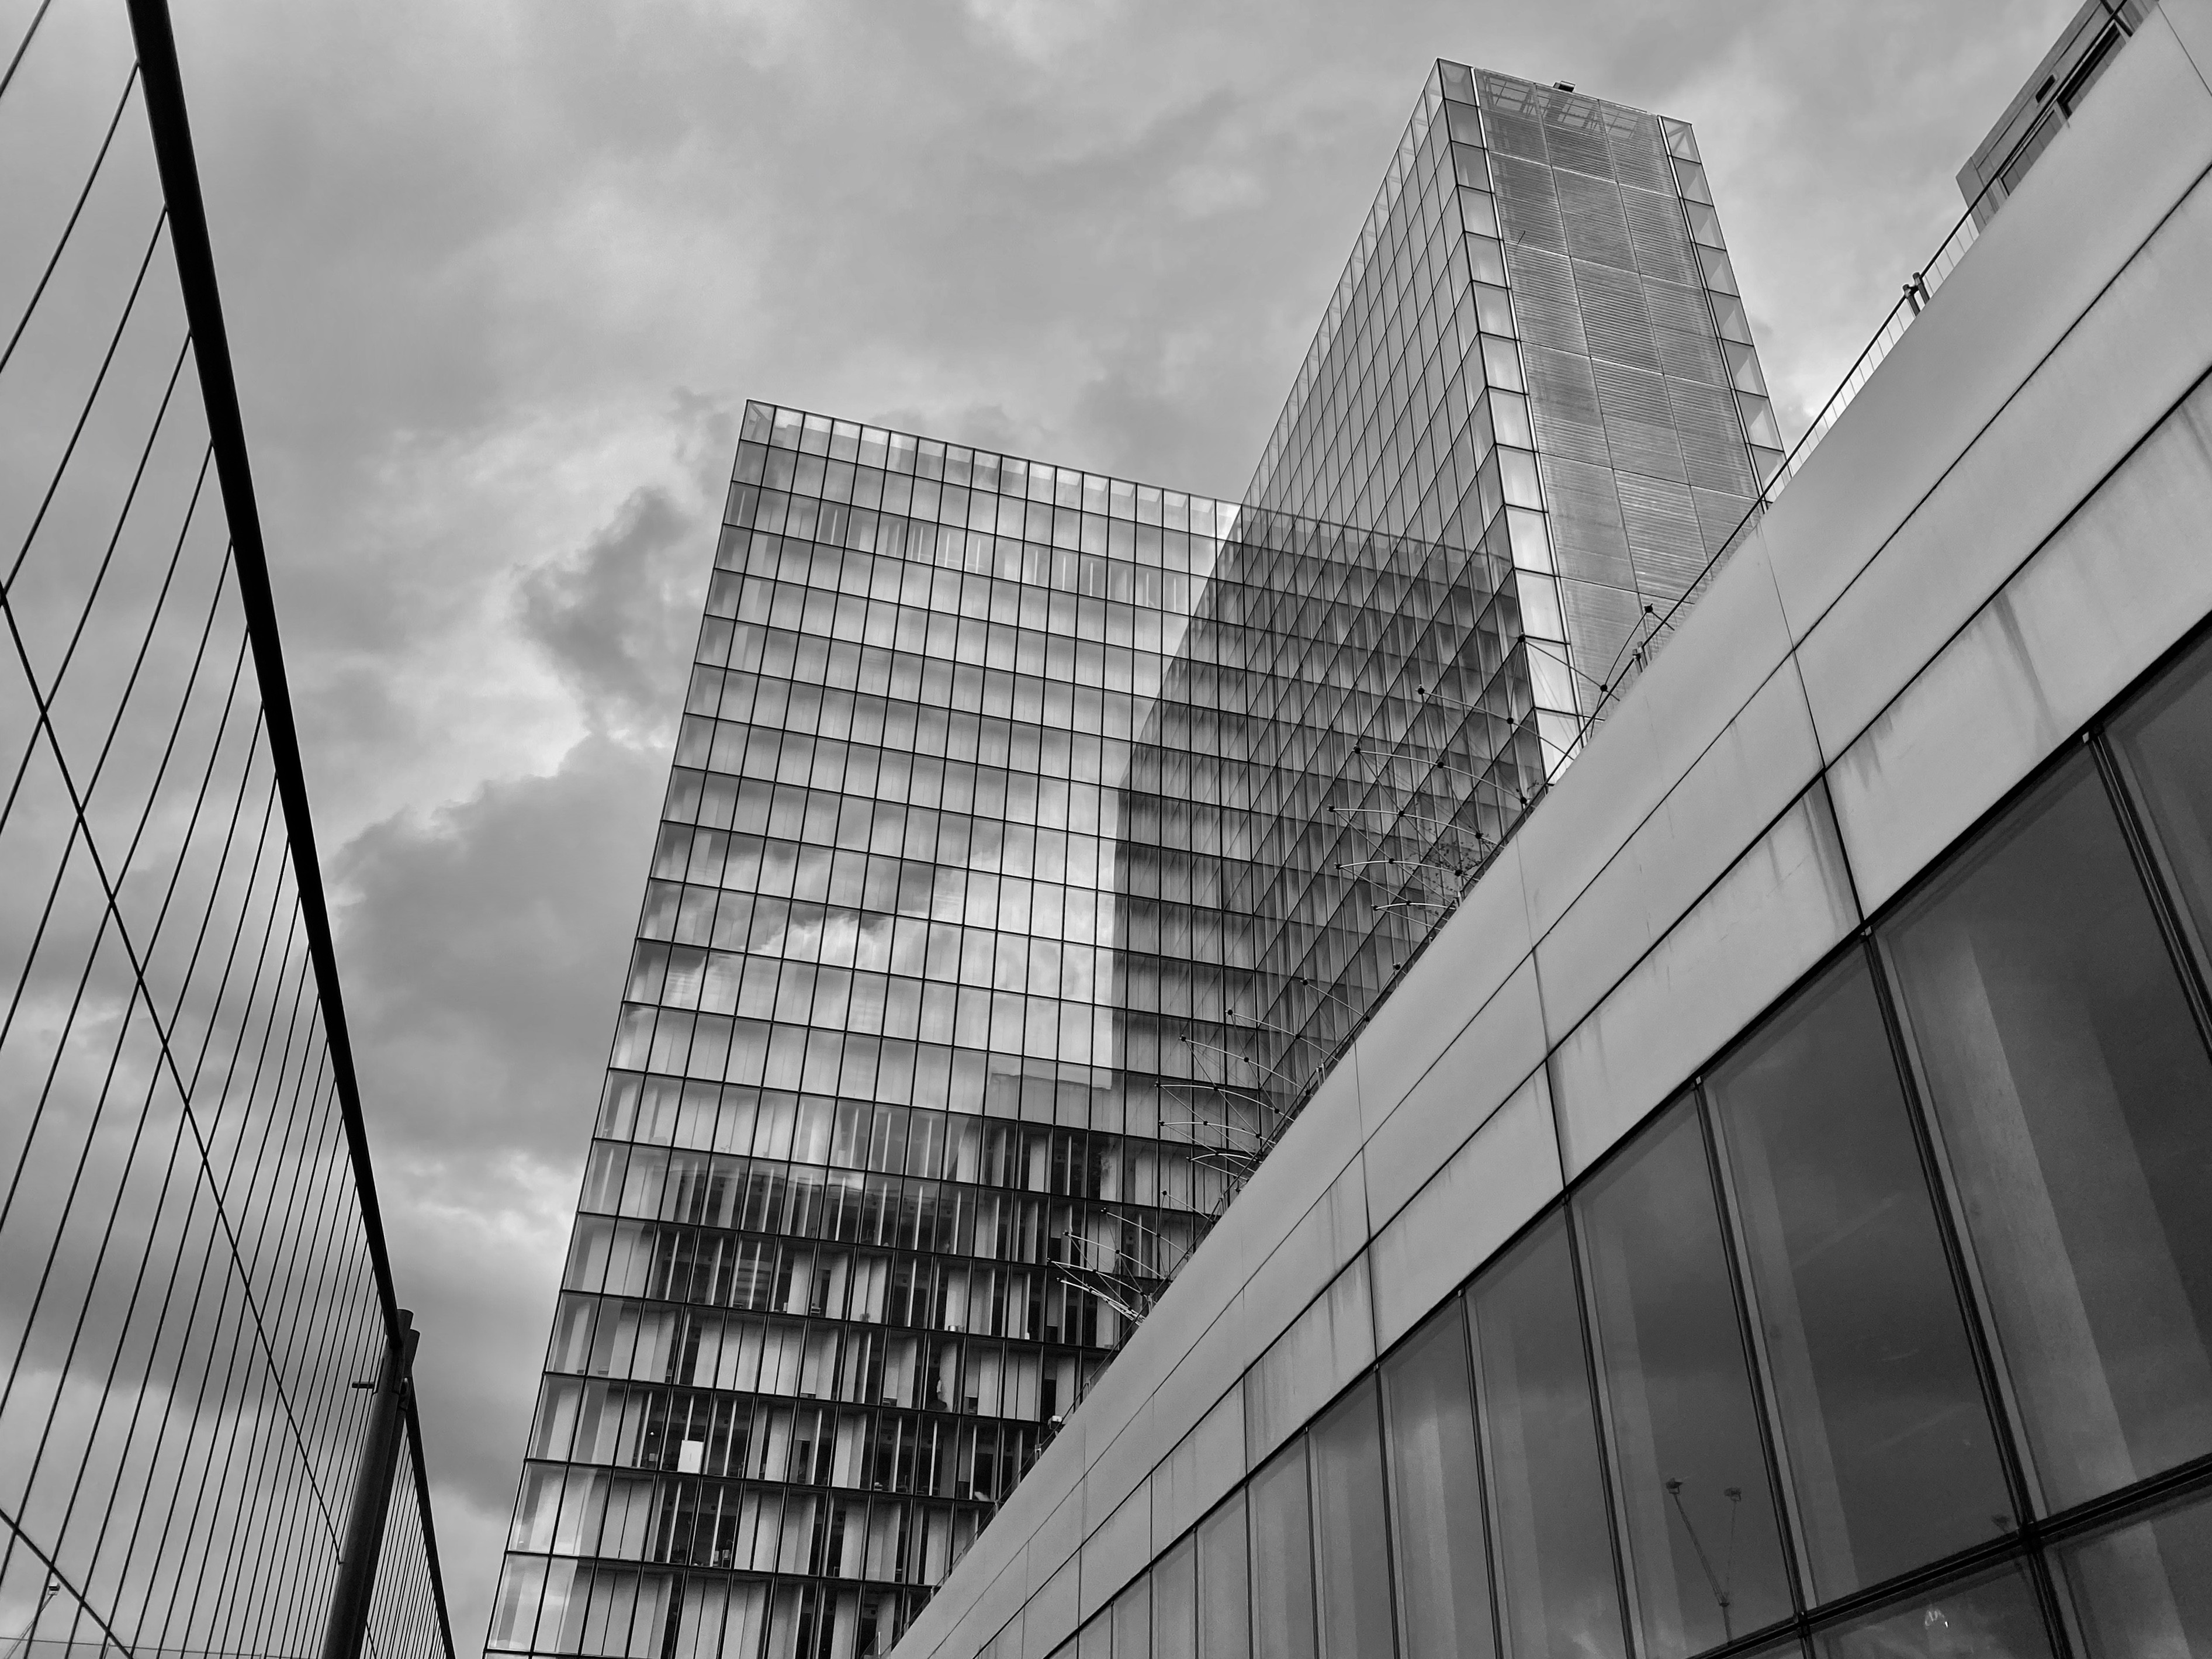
pixel 1768 1218
pixel 1037 840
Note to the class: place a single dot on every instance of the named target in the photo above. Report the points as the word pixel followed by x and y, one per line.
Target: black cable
pixel 61 1222
pixel 115 538
pixel 76 432
pixel 24 46
pixel 70 229
pixel 31 749
pixel 230 836
pixel 137 966
pixel 176 1258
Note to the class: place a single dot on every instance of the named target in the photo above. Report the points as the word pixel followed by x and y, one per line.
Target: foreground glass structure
pixel 1918 1271
pixel 1035 842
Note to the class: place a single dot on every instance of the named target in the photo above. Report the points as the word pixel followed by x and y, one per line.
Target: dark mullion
pixel 2155 871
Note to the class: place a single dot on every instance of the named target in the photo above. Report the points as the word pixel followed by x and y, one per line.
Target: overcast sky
pixel 500 277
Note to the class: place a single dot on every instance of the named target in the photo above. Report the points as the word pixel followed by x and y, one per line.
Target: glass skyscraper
pixel 1535 391
pixel 1035 841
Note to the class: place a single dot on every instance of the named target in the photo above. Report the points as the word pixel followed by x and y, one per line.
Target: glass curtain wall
pixel 876 1183
pixel 1891 1334
pixel 1539 313
pixel 1535 393
pixel 935 1058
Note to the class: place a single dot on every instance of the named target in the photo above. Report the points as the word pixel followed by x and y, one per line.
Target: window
pixel 1224 1608
pixel 1539 1440
pixel 1697 1518
pixel 2144 1587
pixel 1436 1493
pixel 1282 1557
pixel 1174 1603
pixel 1132 1620
pixel 1883 1426
pixel 1993 1615
pixel 2164 742
pixel 2074 1096
pixel 1352 1535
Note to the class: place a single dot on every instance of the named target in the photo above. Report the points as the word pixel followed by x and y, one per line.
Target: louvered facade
pixel 1539 348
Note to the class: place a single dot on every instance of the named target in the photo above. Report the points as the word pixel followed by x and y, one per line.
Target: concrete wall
pixel 2013 520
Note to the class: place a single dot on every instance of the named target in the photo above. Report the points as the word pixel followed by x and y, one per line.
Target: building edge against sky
pixel 1847 998
pixel 895 1143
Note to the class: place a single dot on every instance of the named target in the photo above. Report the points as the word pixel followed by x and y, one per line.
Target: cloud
pixel 482 946
pixel 617 619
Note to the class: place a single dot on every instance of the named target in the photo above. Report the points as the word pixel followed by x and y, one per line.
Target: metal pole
pixel 372 1499
pixel 166 118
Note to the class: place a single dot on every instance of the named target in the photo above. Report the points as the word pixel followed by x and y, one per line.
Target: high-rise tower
pixel 1035 842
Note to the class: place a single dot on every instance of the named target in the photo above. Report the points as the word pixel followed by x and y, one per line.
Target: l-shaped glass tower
pixel 1036 838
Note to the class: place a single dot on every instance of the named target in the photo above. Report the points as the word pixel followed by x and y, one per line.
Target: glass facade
pixel 1535 392
pixel 1036 840
pixel 1538 349
pixel 877 1179
pixel 1891 1333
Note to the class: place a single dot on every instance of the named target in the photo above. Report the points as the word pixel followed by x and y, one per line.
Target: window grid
pixel 2066 1553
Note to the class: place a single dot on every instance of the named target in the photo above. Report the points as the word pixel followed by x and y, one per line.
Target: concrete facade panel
pixel 1676 709
pixel 2192 23
pixel 1507 1171
pixel 1502 1044
pixel 1327 1345
pixel 1116 1550
pixel 1475 952
pixel 2115 586
pixel 2095 195
pixel 1199 1473
pixel 2104 386
pixel 1758 764
pixel 1767 921
pixel 1050 1617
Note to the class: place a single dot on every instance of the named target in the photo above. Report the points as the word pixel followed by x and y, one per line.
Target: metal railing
pixel 205 1391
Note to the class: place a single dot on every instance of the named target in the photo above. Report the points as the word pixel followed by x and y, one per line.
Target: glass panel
pixel 2074 1098
pixel 1096 1639
pixel 1282 1557
pixel 1436 1494
pixel 1992 1616
pixel 1881 1419
pixel 1703 1542
pixel 1224 1607
pixel 2144 1588
pixel 1540 1437
pixel 1132 1620
pixel 1174 1603
pixel 1354 1543
pixel 2165 743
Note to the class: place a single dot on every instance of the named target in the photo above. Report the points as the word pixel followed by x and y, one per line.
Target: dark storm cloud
pixel 499 276
pixel 617 619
